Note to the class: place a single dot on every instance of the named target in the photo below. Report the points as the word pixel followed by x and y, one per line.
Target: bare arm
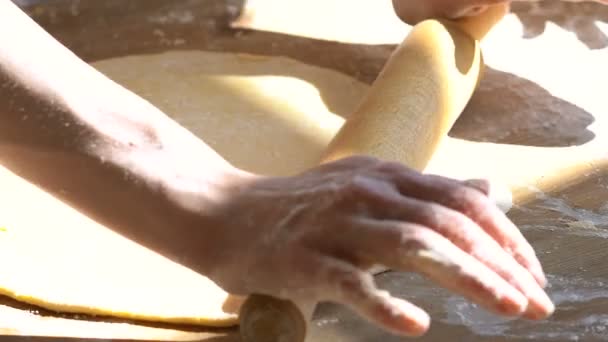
pixel 96 145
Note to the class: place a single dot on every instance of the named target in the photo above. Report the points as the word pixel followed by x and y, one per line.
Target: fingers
pixel 477 207
pixel 472 11
pixel 446 229
pixel 463 215
pixel 467 238
pixel 496 224
pixel 412 247
pixel 475 8
pixel 472 239
pixel 413 11
pixel 449 266
pixel 336 280
pixel 349 285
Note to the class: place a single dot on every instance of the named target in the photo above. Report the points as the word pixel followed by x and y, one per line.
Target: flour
pixel 566 292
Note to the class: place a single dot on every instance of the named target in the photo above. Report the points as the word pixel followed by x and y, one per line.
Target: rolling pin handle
pixel 268 319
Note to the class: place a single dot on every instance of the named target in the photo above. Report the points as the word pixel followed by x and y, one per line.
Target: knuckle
pixel 404 12
pixel 342 277
pixel 467 200
pixel 365 190
pixel 482 185
pixel 355 282
pixel 413 238
pixel 350 163
pixel 395 168
pixel 443 221
pixel 355 185
pixel 429 214
pixel 455 221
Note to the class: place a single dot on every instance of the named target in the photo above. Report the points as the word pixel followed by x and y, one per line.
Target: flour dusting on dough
pixel 564 291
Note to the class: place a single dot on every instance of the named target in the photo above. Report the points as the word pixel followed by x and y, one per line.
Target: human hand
pixel 414 11
pixel 314 237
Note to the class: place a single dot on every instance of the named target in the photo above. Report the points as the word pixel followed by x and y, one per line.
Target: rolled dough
pixel 268 115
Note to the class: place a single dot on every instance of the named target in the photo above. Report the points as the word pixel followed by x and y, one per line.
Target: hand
pixel 315 236
pixel 414 11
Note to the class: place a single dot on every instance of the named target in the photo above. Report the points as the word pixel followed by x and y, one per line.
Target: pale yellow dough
pixel 268 115
pixel 55 257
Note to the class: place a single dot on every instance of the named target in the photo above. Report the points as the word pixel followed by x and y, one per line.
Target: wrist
pixel 139 138
pixel 194 189
pixel 192 181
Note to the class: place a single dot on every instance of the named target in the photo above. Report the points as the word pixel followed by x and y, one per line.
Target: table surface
pixel 357 41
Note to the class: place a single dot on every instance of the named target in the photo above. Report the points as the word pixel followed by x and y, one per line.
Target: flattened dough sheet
pixel 268 115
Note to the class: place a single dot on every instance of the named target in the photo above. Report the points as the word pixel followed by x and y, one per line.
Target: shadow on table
pixel 505 109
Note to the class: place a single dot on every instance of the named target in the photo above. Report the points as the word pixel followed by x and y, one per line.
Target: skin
pixel 412 11
pixel 117 158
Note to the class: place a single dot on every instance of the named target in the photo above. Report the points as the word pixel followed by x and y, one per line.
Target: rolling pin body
pixel 415 100
pixel 423 88
pixel 419 94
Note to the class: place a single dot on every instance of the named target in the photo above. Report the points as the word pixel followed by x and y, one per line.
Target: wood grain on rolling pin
pixel 423 88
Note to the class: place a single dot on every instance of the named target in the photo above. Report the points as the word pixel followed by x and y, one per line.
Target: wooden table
pixel 568 227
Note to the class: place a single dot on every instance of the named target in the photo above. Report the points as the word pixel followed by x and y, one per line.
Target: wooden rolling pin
pixel 412 105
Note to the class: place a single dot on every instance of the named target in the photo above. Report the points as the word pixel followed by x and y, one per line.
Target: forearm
pixel 99 147
pixel 57 96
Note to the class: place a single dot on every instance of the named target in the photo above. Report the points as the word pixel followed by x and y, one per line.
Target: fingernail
pixel 476 10
pixel 539 275
pixel 413 320
pixel 540 306
pixel 513 304
pixel 468 12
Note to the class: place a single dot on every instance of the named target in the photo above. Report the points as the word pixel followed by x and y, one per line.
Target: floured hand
pixel 315 236
pixel 414 11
